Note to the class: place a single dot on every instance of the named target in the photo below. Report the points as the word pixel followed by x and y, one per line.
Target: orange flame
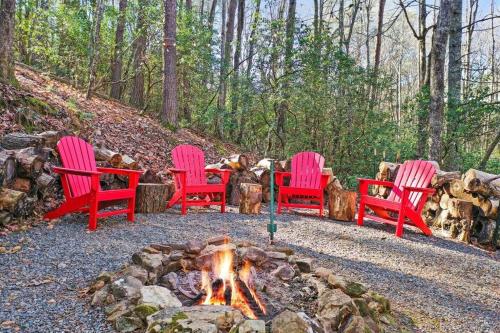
pixel 222 268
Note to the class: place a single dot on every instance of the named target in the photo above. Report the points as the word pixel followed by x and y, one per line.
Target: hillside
pixel 45 103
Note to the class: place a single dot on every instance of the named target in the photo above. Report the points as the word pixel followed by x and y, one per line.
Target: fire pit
pixel 224 286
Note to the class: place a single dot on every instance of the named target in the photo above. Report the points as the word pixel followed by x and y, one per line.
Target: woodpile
pixel 28 187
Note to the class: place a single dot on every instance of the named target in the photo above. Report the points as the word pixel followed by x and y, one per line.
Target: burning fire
pixel 230 287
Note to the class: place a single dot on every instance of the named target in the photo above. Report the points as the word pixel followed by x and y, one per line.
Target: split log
pixel 238 162
pixel 483 183
pixel 19 140
pixel 153 198
pixel 265 163
pixel 460 209
pixel 149 176
pixel 128 162
pixel 264 176
pixel 28 165
pixel 286 165
pixel 442 177
pixel 12 201
pixel 483 230
pixel 5 218
pixel 388 171
pixel 51 138
pixel 341 204
pixel 7 166
pixel 103 154
pixel 236 179
pixel 250 198
pixel 22 185
pixel 46 185
pixel 443 203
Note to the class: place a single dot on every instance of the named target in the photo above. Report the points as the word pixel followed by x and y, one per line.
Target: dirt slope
pixel 55 105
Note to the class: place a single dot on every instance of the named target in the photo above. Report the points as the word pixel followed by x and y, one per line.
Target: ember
pixel 231 288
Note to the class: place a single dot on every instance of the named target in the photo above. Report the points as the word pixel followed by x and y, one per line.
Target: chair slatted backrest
pixel 412 174
pixel 79 155
pixel 306 170
pixel 191 159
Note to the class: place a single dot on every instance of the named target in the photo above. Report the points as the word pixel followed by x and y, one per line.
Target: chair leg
pixel 280 197
pixel 361 213
pixel 93 206
pixel 223 204
pixel 65 208
pixel 401 220
pixel 321 205
pixel 131 209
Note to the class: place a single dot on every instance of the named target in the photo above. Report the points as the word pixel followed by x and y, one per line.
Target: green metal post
pixel 271 227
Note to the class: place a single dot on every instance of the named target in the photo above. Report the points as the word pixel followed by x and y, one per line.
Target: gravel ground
pixel 436 284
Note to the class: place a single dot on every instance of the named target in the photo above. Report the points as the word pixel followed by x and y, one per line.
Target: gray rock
pixel 127 287
pixel 219 240
pixel 277 255
pixel 144 310
pixel 290 322
pixel 256 255
pixel 195 246
pixel 306 265
pixel 162 248
pixel 322 272
pixel 195 326
pixel 176 255
pixel 99 297
pixel 336 281
pixel 223 317
pixel 138 272
pixel 333 308
pixel 105 276
pixel 355 324
pixel 150 261
pixel 128 324
pixel 170 281
pixel 252 326
pixel 158 296
pixel 284 272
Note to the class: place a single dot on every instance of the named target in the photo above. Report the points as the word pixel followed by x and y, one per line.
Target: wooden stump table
pixel 341 204
pixel 153 198
pixel 250 198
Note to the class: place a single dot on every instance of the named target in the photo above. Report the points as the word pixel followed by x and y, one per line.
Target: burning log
pixel 252 302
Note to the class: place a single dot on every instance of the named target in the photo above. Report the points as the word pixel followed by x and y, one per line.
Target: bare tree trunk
pixel 474 4
pixel 341 24
pixel 169 109
pixel 493 145
pixel 437 80
pixel 7 27
pixel 367 41
pixel 284 105
pixel 355 11
pixel 422 125
pixel 96 40
pixel 251 51
pixel 236 65
pixel 116 64
pixel 225 63
pixel 219 126
pixel 211 15
pixel 378 45
pixel 454 83
pixel 139 46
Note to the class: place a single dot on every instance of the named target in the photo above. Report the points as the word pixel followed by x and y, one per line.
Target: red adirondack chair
pixel 306 182
pixel 80 181
pixel 407 198
pixel 191 181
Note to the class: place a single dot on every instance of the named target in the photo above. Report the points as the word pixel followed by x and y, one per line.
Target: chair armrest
pixel 375 182
pixel 324 180
pixel 225 173
pixel 419 189
pixel 177 171
pixel 120 171
pixel 280 176
pixel 66 171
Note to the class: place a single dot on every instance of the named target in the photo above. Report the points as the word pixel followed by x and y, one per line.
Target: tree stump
pixel 250 198
pixel 153 198
pixel 341 204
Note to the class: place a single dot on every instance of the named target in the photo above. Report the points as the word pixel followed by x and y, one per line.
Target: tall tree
pixel 95 45
pixel 251 52
pixel 378 45
pixel 236 64
pixel 169 110
pixel 226 61
pixel 211 15
pixel 139 48
pixel 454 83
pixel 284 105
pixel 438 57
pixel 116 63
pixel 7 20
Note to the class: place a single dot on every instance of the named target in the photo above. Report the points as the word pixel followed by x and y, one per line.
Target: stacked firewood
pixel 464 206
pixel 29 187
pixel 27 184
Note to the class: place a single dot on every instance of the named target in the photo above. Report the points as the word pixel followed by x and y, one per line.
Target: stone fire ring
pixel 157 293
